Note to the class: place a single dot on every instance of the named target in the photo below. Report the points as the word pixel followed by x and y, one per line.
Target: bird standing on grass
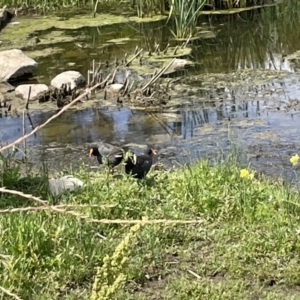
pixel 139 166
pixel 107 154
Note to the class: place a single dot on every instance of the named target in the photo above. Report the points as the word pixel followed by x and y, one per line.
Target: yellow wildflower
pixel 294 160
pixel 244 173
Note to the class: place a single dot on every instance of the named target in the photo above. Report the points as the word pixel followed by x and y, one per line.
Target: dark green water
pixel 250 40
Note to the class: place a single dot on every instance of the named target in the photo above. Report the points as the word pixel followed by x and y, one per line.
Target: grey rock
pixel 68 182
pixel 115 87
pixel 37 91
pixel 14 63
pixel 74 78
pixel 5 87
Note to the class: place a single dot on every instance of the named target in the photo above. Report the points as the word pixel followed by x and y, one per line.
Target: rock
pixel 5 87
pixel 33 41
pixel 14 63
pixel 178 64
pixel 37 91
pixel 115 87
pixel 72 77
pixel 5 17
pixel 68 182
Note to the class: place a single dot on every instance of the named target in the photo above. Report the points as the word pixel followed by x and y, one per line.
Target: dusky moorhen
pixel 139 165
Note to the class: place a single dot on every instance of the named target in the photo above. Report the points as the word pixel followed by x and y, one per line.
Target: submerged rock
pixel 37 91
pixel 115 87
pixel 74 78
pixel 14 63
pixel 68 182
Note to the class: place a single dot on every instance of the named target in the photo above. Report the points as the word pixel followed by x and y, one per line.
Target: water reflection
pixel 257 116
pixel 251 39
pixel 111 123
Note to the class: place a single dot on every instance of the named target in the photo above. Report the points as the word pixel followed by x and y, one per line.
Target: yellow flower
pixel 244 173
pixel 294 160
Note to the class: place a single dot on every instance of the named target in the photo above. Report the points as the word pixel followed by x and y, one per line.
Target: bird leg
pixel 110 171
pixel 107 174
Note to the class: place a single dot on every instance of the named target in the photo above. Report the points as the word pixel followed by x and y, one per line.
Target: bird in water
pixel 139 166
pixel 107 154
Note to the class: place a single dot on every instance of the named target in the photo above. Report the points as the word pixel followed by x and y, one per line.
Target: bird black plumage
pixel 139 166
pixel 107 154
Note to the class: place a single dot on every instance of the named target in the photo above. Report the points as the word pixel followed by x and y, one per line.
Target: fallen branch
pixel 87 91
pixel 61 206
pixel 28 196
pixel 102 221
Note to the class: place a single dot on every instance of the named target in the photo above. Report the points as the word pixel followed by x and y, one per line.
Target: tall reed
pixel 185 13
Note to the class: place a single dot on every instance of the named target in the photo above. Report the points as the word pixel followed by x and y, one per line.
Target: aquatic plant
pixel 184 14
pixel 148 8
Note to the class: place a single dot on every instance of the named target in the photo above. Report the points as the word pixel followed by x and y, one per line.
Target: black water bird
pixel 107 154
pixel 139 166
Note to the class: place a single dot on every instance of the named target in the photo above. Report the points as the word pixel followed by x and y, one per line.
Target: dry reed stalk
pixel 87 91
pixel 28 97
pixel 102 221
pixel 159 73
pixel 194 274
pixel 67 206
pixel 24 131
pixel 9 293
pixel 135 56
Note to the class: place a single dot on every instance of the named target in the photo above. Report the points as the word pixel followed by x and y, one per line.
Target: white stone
pixel 115 87
pixel 68 182
pixel 37 91
pixel 72 77
pixel 14 63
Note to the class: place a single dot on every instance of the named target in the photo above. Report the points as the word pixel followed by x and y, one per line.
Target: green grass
pixel 245 247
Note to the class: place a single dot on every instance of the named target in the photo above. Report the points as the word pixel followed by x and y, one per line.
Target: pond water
pixel 260 118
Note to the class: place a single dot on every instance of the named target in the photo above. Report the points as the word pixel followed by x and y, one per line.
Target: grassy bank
pixel 244 246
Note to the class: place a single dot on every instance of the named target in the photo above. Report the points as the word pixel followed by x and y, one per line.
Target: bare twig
pixel 9 293
pixel 96 74
pixel 194 274
pixel 30 121
pixel 159 73
pixel 24 130
pixel 88 78
pixel 66 206
pixel 167 47
pixel 187 41
pixel 102 221
pixel 101 236
pixel 95 9
pixel 28 196
pixel 29 93
pixel 87 91
pixel 136 55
